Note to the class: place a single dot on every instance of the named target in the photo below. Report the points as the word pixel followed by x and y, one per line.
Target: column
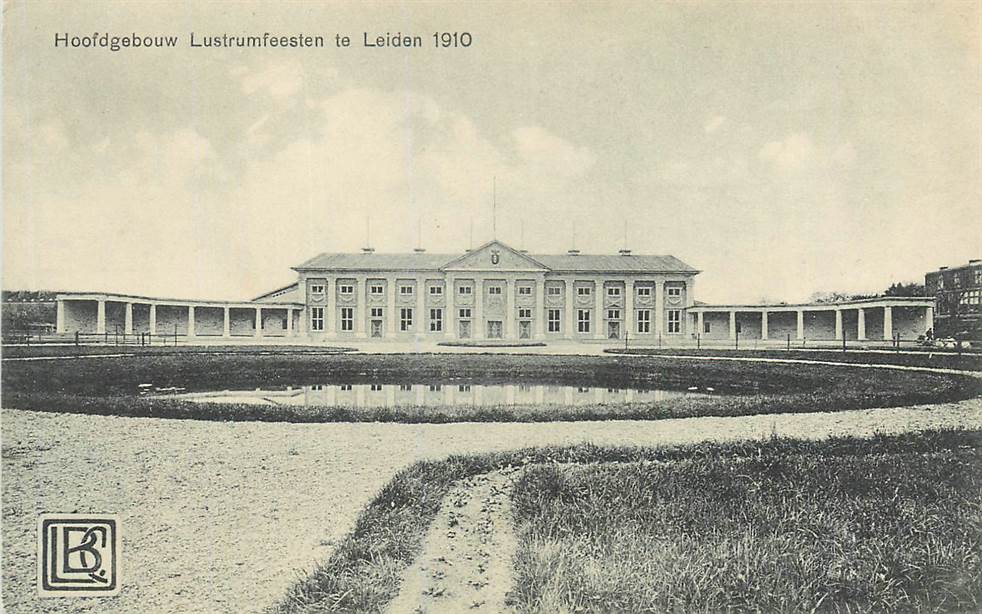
pixel 700 326
pixel 259 322
pixel 100 317
pixel 628 308
pixel 420 320
pixel 153 319
pixel 450 317
pixel 361 308
pixel 331 312
pixel 763 325
pixel 660 308
pixel 887 323
pixel 226 322
pixel 539 313
pixel 60 317
pixel 289 321
pixel 390 305
pixel 733 333
pixel 510 332
pixel 928 318
pixel 568 320
pixel 838 325
pixel 598 319
pixel 800 335
pixel 128 320
pixel 477 322
pixel 190 320
pixel 861 324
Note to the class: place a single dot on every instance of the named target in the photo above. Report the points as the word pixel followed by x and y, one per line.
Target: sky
pixel 782 149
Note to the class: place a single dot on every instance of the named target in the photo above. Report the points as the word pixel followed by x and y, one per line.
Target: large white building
pixel 488 294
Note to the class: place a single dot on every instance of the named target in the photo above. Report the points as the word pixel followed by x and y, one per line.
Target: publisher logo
pixel 78 555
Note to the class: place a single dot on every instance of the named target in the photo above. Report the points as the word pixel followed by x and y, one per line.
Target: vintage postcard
pixel 551 307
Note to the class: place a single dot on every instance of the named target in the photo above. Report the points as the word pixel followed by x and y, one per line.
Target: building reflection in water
pixel 434 395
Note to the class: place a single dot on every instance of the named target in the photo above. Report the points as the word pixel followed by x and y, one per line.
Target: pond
pixel 434 395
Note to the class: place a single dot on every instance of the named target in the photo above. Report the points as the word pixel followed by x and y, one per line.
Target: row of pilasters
pixel 478 318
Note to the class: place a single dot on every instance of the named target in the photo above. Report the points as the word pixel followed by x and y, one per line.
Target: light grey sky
pixel 781 148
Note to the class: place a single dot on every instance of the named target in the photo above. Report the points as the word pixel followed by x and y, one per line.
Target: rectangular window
pixel 525 314
pixel 978 277
pixel 376 312
pixel 347 319
pixel 465 290
pixel 583 320
pixel 674 320
pixel 316 318
pixel 346 289
pixel 406 318
pixel 613 314
pixel 644 320
pixel 377 289
pixel 525 291
pixel 464 314
pixel 436 320
pixel 494 290
pixel 957 281
pixel 613 291
pixel 375 387
pixel 436 387
pixel 644 291
pixel 317 288
pixel 583 291
pixel 436 290
pixel 707 327
pixel 405 290
pixel 464 388
pixel 406 387
pixel 554 319
pixel 345 387
pixel 554 291
pixel 675 291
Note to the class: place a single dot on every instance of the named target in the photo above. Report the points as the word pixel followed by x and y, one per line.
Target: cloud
pixel 281 81
pixel 542 149
pixel 714 124
pixel 792 153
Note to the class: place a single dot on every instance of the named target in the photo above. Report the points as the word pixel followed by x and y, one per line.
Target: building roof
pixel 289 293
pixel 556 262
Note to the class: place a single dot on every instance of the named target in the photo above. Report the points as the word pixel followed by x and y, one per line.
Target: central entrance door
pixel 377 329
pixel 613 330
pixel 465 329
pixel 494 329
pixel 525 330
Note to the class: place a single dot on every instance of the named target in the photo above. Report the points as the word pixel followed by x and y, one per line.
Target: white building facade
pixel 492 293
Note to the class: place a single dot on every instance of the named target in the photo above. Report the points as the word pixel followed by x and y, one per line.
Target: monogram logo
pixel 78 554
pixel 495 256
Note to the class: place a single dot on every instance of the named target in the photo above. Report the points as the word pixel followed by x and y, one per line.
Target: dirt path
pixel 466 563
pixel 221 517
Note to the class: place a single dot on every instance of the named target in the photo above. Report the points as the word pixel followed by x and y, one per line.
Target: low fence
pixel 107 338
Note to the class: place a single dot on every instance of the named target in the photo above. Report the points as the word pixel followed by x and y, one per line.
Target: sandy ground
pixel 466 562
pixel 220 517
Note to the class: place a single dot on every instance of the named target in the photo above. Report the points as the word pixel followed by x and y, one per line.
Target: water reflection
pixel 434 395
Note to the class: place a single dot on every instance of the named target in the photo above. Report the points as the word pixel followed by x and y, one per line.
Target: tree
pixel 909 289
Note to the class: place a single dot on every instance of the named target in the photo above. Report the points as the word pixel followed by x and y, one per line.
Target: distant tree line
pixel 896 289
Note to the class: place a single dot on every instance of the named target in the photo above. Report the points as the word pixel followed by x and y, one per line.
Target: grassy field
pixel 889 524
pixel 110 385
pixel 924 357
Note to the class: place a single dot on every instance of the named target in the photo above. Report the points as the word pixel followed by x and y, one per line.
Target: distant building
pixel 957 293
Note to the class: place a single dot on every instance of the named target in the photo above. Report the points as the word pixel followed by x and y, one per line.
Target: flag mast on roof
pixel 368 249
pixel 494 206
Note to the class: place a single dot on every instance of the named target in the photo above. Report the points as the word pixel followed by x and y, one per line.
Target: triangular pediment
pixel 495 256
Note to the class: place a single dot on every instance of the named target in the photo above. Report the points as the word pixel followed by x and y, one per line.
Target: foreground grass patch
pixel 557 523
pixel 110 386
pixel 792 528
